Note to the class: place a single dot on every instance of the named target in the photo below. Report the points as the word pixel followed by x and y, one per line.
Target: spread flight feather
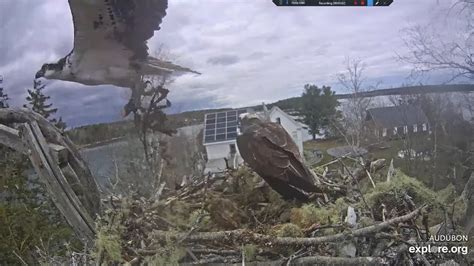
pixel 110 43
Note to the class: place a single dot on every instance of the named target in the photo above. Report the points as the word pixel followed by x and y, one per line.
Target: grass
pixel 436 178
pixel 422 170
pixel 418 168
pixel 323 145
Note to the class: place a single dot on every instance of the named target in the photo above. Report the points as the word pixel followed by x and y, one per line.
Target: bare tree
pixel 434 50
pixel 354 111
pixel 150 121
pixel 467 103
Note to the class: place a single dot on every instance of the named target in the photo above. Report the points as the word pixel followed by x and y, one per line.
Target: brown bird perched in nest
pixel 271 152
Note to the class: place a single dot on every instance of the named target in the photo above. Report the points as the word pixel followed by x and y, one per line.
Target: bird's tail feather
pixel 154 64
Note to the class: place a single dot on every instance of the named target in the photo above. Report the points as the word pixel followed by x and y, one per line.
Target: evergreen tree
pixel 3 96
pixel 318 107
pixel 27 215
pixel 3 99
pixel 38 102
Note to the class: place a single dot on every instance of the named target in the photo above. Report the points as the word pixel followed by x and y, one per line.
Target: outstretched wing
pixel 123 26
pixel 272 153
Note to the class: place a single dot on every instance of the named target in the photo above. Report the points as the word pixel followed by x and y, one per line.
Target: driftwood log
pixel 59 165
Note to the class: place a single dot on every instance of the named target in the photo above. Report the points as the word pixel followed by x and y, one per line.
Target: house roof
pixel 396 116
pixel 290 117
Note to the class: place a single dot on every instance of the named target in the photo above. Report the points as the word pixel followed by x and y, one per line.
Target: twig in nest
pixel 191 254
pixel 316 227
pixel 20 258
pixel 296 255
pixel 201 214
pixel 215 251
pixel 370 178
pixel 358 188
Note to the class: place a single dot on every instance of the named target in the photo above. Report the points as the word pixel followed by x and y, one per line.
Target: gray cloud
pixel 224 60
pixel 268 52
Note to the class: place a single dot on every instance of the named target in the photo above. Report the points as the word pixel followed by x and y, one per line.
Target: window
pixel 384 132
pixel 424 127
pixel 415 128
pixel 405 129
pixel 395 130
pixel 377 132
pixel 278 120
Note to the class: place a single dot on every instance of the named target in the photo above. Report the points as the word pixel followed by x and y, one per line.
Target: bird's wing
pixel 271 152
pixel 121 25
pixel 278 136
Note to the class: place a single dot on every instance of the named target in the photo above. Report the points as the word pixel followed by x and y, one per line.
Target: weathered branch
pixel 309 260
pixel 60 190
pixel 324 260
pixel 91 200
pixel 243 236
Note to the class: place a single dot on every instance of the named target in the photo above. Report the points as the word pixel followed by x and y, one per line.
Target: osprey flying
pixel 271 152
pixel 110 43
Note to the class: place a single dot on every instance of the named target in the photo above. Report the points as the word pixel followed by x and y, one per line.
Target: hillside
pixel 291 103
pixel 106 131
pixel 98 133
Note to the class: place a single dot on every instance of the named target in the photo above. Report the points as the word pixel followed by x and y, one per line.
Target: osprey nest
pixel 234 218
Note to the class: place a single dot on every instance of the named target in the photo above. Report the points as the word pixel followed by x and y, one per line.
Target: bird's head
pixel 49 71
pixel 249 119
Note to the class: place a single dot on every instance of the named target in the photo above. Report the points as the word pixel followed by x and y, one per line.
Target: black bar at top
pixel 332 2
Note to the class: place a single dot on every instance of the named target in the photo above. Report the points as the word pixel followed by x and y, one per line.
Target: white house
pixel 221 130
pixel 297 130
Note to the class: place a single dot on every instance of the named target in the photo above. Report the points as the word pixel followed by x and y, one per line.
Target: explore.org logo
pixel 443 244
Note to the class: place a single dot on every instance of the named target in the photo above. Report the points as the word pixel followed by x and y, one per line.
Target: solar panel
pixel 221 126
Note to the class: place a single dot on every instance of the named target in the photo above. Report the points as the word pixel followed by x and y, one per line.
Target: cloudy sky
pixel 248 51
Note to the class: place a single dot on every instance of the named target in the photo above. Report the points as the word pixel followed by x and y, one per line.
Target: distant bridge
pixel 412 90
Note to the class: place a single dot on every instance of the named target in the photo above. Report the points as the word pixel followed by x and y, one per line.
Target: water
pixel 106 161
pixel 125 158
